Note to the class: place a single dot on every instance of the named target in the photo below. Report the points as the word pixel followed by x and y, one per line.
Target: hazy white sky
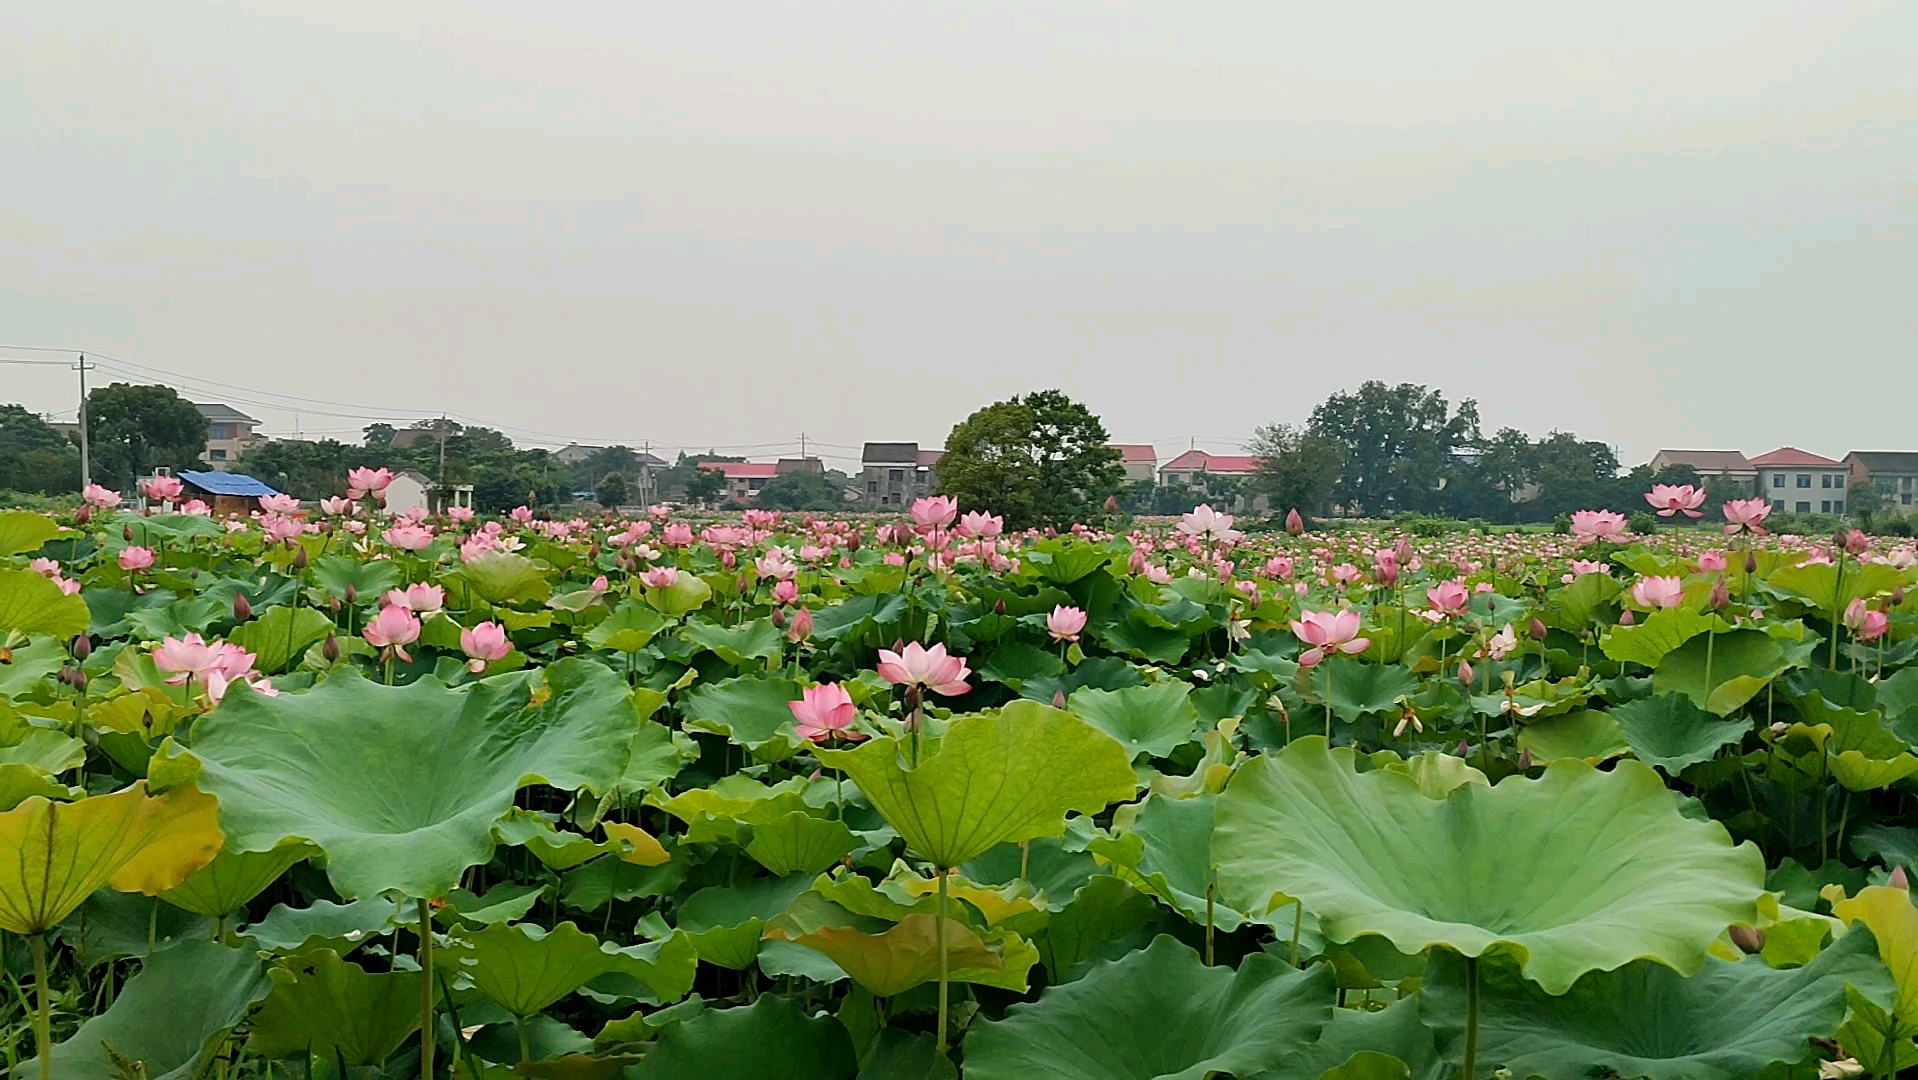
pixel 1655 223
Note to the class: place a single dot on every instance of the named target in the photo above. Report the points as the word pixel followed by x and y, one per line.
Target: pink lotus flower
pixel 786 592
pixel 1346 574
pixel 1745 514
pixel 186 658
pixel 677 534
pixel 393 628
pixel 1327 632
pixel 1581 567
pixel 1712 560
pixel 920 666
pixel 459 514
pixel 163 488
pixel 981 526
pixel 801 627
pixel 1653 593
pixel 280 529
pixel 1590 525
pixel 1065 623
pixel 1205 523
pixel 421 598
pixel 935 512
pixel 135 559
pixel 776 564
pixel 1278 566
pixel 217 683
pixel 196 508
pixel 1448 597
pixel 521 514
pixel 1682 498
pixel 1501 644
pixel 96 496
pixel 484 643
pixel 1294 524
pixel 409 537
pixel 825 712
pixel 279 504
pixel 335 506
pixel 363 482
pixel 1864 623
pixel 660 577
pixel 1385 567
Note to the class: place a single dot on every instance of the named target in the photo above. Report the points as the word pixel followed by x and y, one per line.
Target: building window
pixel 1905 498
pixel 1824 480
pixel 1804 479
pixel 872 487
pixel 217 431
pixel 1804 508
pixel 1825 507
pixel 1778 479
pixel 1838 480
pixel 897 476
pixel 1778 505
pixel 216 455
pixel 1838 506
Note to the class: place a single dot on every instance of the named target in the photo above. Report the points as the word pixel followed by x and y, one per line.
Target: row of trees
pixel 131 428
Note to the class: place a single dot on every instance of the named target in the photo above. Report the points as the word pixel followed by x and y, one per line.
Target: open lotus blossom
pixel 217 683
pixel 459 514
pixel 1671 499
pixel 186 658
pixel 776 564
pixel 981 526
pixel 281 530
pixel 521 514
pixel 1712 560
pixel 196 508
pixel 920 666
pixel 1500 645
pixel 678 534
pixel 1328 632
pixel 825 712
pixel 1205 523
pixel 934 511
pixel 1745 514
pixel 135 559
pixel 659 577
pixel 1591 525
pixel 363 482
pixel 483 644
pixel 335 506
pixel 420 598
pixel 1652 593
pixel 1865 623
pixel 1581 567
pixel 96 496
pixel 408 537
pixel 393 628
pixel 1448 597
pixel 279 504
pixel 1065 623
pixel 163 488
pixel 785 592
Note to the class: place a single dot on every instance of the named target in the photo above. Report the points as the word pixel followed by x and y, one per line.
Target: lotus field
pixel 324 793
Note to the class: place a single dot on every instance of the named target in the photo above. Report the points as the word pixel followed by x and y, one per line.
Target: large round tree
pixel 1038 459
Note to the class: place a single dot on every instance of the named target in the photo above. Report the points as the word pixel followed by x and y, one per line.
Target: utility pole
pixel 802 446
pixel 86 455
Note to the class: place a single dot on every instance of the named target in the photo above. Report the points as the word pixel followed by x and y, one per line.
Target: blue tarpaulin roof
pixel 223 483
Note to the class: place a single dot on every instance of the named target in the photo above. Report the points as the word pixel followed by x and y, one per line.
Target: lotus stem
pixel 1837 605
pixel 1328 703
pixel 426 991
pixel 1298 926
pixel 519 1025
pixel 1471 1018
pixel 1711 636
pixel 1211 888
pixel 43 1015
pixel 944 985
pixel 1025 860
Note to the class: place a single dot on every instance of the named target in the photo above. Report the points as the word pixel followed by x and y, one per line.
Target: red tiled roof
pixel 1130 452
pixel 1708 461
pixel 1791 457
pixel 742 470
pixel 1218 463
pixel 930 457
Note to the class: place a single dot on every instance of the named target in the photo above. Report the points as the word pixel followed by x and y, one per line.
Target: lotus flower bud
pixel 1537 629
pixel 330 649
pixel 1112 504
pixel 81 648
pixel 333 602
pixel 1751 563
pixel 779 618
pixel 1856 542
pixel 1294 524
pixel 1465 673
pixel 1525 759
pixel 126 533
pixel 1898 596
pixel 1626 618
pixel 242 610
pixel 1058 699
pixel 1898 880
pixel 728 560
pixel 83 515
pixel 1464 749
pixel 1402 550
pixel 352 594
pixel 1749 939
pixel 1720 598
pixel 999 607
pixel 852 541
pixel 299 559
pixel 801 627
pixel 73 677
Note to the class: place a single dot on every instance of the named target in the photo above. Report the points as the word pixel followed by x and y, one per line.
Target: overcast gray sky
pixel 1653 223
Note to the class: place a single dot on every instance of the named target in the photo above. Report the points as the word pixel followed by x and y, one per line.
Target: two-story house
pixel 896 473
pixel 1893 472
pixel 744 479
pixel 1726 473
pixel 1140 461
pixel 1192 467
pixel 229 433
pixel 1800 482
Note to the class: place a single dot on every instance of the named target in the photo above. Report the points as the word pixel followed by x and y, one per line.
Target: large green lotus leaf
pixel 906 955
pixel 901 1055
pixel 1589 735
pixel 46 750
pixel 33 604
pixel 369 579
pixel 1158 1014
pixel 24 530
pixel 401 785
pixel 994 778
pixel 755 640
pixel 1572 607
pixel 1614 870
pixel 1893 921
pixel 726 922
pixel 659 752
pixel 335 1010
pixel 630 628
pixel 1670 732
pixel 31 665
pixel 1153 720
pixel 192 615
pixel 1648 641
pixel 234 877
pixel 1742 662
pixel 1358 688
pixel 1865 753
pixel 684 596
pixel 18 783
pixel 771 1039
pixel 714 814
pixel 750 711
pixel 799 843
pixel 526 968
pixel 115 925
pixel 1104 910
pixel 325 925
pixel 1728 1022
pixel 169 1020
pixel 1057 874
pixel 280 636
pixel 535 832
pixel 1821 587
pixel 1167 852
pixel 501 577
pixel 53 855
pixel 1356 1034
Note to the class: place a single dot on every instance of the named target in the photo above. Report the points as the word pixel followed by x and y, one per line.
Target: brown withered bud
pixel 81 648
pixel 1749 939
pixel 779 618
pixel 126 533
pixel 83 515
pixel 852 541
pixel 1720 597
pixel 352 594
pixel 999 607
pixel 299 559
pixel 1464 750
pixel 1898 596
pixel 1751 563
pixel 330 649
pixel 1537 629
pixel 242 609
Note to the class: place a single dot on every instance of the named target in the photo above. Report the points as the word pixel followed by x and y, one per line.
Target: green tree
pixel 613 490
pixel 33 456
pixel 377 434
pixel 704 485
pixel 133 428
pixel 801 491
pixel 1402 445
pixel 1040 459
pixel 1297 469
